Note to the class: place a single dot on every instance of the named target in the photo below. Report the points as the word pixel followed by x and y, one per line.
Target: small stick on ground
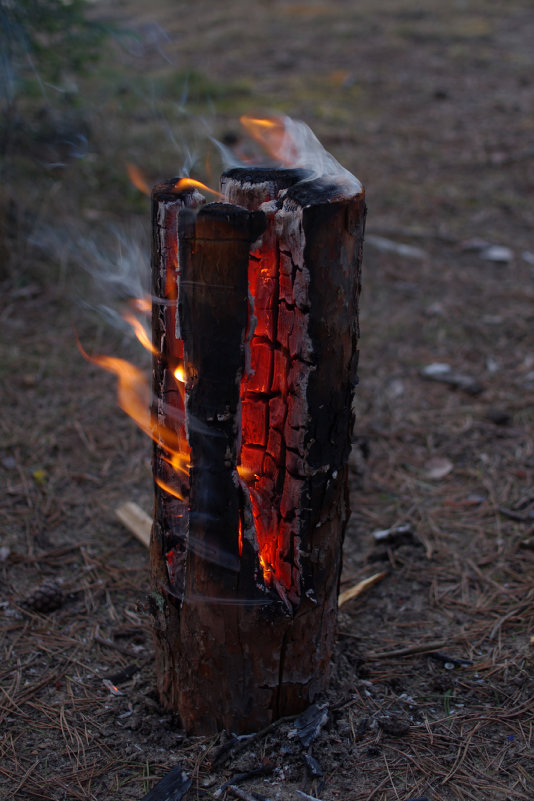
pixel 360 588
pixel 412 649
pixel 135 520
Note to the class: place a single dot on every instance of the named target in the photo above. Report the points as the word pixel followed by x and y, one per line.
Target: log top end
pixel 281 177
pixel 322 191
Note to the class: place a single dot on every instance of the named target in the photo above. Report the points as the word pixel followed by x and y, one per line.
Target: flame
pixel 143 305
pixel 272 134
pixel 292 143
pixel 179 374
pixel 179 460
pixel 190 183
pixel 138 179
pixel 266 537
pixel 133 395
pixel 140 332
pixel 240 536
pixel 267 571
pixel 171 490
pixel 132 391
pixel 245 473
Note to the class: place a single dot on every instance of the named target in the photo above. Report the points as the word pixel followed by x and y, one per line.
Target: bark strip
pixel 169 533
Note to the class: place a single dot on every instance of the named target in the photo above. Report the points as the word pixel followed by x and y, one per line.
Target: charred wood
pixel 246 549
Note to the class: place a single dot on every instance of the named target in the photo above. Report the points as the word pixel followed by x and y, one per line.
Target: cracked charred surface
pixel 304 281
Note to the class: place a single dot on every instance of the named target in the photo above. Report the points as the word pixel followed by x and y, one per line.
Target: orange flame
pixel 191 183
pixel 267 570
pixel 133 395
pixel 179 374
pixel 143 305
pixel 140 332
pixel 240 536
pixel 132 391
pixel 270 133
pixel 245 473
pixel 171 490
pixel 138 179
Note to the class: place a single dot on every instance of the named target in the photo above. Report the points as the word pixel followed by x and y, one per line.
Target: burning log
pixel 171 448
pixel 247 538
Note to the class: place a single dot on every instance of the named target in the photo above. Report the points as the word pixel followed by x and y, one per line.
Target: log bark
pixel 245 624
pixel 169 533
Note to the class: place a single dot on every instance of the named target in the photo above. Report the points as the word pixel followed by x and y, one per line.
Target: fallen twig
pixel 242 794
pixel 308 797
pixel 520 517
pixel 263 770
pixel 116 647
pixel 244 740
pixel 135 520
pixel 411 649
pixel 360 587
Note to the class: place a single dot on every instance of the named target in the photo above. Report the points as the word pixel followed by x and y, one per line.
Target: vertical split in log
pixel 263 449
pixel 214 249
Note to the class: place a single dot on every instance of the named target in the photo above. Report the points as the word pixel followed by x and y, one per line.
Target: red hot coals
pixel 257 304
pixel 273 389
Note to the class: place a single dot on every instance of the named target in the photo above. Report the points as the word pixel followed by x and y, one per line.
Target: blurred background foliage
pixel 45 45
pixel 46 48
pixel 77 104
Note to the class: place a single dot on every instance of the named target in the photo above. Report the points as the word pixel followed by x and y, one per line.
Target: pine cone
pixel 45 598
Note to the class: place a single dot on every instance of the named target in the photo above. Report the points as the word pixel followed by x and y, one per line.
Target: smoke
pixel 120 267
pixel 293 144
pixel 118 262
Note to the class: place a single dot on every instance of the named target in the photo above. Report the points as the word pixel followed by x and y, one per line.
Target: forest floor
pixel 431 105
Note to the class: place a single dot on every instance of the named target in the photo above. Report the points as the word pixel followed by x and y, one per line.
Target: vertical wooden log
pixel 249 637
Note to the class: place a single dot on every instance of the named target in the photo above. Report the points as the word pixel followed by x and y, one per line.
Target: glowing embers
pixel 271 416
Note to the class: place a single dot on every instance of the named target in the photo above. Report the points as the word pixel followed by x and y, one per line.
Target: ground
pixel 432 106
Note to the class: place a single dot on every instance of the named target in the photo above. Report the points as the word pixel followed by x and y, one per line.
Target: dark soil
pixel 431 105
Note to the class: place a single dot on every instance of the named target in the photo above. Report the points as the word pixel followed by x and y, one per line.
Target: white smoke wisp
pixel 293 144
pixel 121 268
pixel 117 261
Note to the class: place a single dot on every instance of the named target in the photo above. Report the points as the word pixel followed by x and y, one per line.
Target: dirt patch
pixel 432 685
